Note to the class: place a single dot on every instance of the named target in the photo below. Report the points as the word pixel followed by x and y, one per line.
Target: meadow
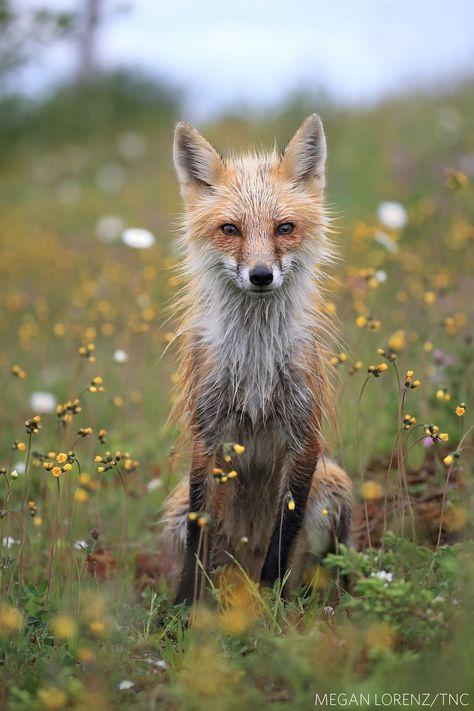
pixel 86 380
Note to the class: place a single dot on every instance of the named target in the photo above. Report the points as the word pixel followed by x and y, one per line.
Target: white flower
pixel 109 228
pixel 8 542
pixel 392 214
pixel 385 241
pixel 125 684
pixel 383 575
pixel 154 484
pixel 120 356
pixel 20 467
pixel 138 238
pixel 43 402
pixel 381 276
pixel 80 545
pixel 158 663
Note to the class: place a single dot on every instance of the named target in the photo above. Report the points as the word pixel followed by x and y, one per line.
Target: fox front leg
pixel 290 518
pixel 197 539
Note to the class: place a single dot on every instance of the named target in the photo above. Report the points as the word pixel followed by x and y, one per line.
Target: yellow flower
pixel 56 471
pixel 232 474
pixel 192 516
pixel 11 619
pixel 361 321
pixel 430 297
pixel 81 496
pixel 239 448
pixel 443 395
pixel 443 436
pixel 460 409
pixel 448 460
pixel 64 627
pixel 97 628
pixel 397 341
pixel 291 505
pixel 371 490
pixel 52 698
pixel 67 467
pixel 85 654
pixel 61 458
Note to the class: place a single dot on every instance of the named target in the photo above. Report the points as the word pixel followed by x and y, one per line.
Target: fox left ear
pixel 195 160
pixel 305 155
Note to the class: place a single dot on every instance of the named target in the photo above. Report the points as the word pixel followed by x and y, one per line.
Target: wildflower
pixel 397 341
pixel 102 436
pixel 87 352
pixel 443 395
pixel 43 402
pixel 18 372
pixel 33 425
pixel 120 357
pixel 410 382
pixel 371 490
pixel 96 385
pixel 193 516
pixel 361 321
pixel 85 431
pixel 355 367
pixel 377 370
pixel 460 409
pixel 374 324
pixel 456 179
pixel 392 214
pixel 325 512
pixel 336 360
pixel 61 457
pixel 138 238
pixel 450 458
pixel 11 619
pixel 81 495
pixel 97 628
pixel 20 446
pixel 32 507
pixel 232 474
pixel 427 346
pixel 66 411
pixel 433 432
pixel 202 520
pixel 408 422
pixel 14 474
pixel 52 698
pixel 389 355
pixel 290 502
pixel 382 575
pixel 64 627
pixel 125 684
pixel 85 654
pixel 238 448
pixel 429 297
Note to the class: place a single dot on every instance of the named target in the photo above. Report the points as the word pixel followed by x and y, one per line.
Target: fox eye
pixel 286 228
pixel 230 230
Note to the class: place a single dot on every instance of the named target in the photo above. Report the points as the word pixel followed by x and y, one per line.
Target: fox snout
pixel 261 275
pixel 260 278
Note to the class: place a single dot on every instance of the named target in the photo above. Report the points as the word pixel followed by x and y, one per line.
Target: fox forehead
pixel 252 190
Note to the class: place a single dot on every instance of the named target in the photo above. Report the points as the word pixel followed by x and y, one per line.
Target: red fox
pixel 253 369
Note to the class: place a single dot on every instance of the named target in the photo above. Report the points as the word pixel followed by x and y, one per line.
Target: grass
pixel 86 613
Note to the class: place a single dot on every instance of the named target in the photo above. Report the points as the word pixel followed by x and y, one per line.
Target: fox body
pixel 253 370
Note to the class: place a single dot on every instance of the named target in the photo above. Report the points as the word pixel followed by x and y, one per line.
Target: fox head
pixel 254 221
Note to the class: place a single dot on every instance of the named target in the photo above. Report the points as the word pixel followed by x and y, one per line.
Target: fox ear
pixel 195 159
pixel 305 155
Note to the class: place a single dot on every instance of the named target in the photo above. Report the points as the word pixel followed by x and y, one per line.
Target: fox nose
pixel 261 275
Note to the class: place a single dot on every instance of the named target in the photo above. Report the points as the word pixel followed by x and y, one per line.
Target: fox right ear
pixel 305 155
pixel 195 160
